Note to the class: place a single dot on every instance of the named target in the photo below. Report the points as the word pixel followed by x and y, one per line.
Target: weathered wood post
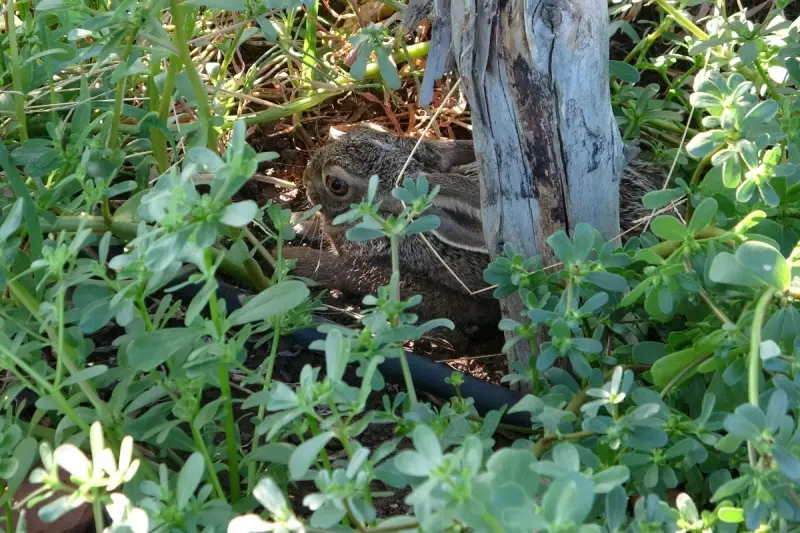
pixel 535 73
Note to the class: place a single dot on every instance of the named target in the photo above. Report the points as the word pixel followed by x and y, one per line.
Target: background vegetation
pixel 131 133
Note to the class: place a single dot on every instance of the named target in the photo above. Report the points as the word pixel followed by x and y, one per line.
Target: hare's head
pixel 338 175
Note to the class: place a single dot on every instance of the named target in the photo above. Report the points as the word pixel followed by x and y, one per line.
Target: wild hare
pixel 338 175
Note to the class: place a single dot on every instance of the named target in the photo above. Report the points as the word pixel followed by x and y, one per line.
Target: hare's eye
pixel 337 186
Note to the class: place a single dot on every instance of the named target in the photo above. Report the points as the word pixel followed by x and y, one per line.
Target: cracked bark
pixel 535 74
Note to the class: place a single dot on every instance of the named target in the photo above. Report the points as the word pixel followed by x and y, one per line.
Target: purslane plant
pixel 681 410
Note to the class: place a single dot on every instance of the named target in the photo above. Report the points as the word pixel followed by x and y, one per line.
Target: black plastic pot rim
pixel 429 376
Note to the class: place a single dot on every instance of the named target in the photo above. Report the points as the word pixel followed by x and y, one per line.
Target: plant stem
pixel 754 359
pixel 225 390
pixel 773 93
pixel 395 295
pixel 16 73
pixel 709 301
pixel 301 104
pixel 543 444
pixel 200 93
pixel 97 511
pixel 119 93
pixel 32 305
pixel 310 42
pixel 157 140
pixel 314 426
pixel 682 374
pixel 45 386
pixel 230 433
pixel 273 354
pixel 212 474
pixel 642 46
pixel 696 176
pixel 681 19
pixel 60 346
pixel 44 38
pixel 7 510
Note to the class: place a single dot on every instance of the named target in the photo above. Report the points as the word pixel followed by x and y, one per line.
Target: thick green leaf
pixel 669 228
pixel 150 349
pixel 726 269
pixel 660 198
pixel 188 479
pixel 669 366
pixel 305 454
pixel 85 375
pixel 624 71
pixel 239 214
pixel 279 298
pixel 569 499
pixel 388 69
pixel 607 281
pixel 337 354
pixel 705 142
pixel 561 246
pixel 270 495
pixel 703 215
pixel 766 263
pixel 731 515
pixel 12 221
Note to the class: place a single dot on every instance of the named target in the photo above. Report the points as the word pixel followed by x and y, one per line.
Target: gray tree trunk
pixel 535 73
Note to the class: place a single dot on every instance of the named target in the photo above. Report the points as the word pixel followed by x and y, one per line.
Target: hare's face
pixel 338 174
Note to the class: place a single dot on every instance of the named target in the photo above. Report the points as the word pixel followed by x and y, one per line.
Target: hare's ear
pixel 444 155
pixel 336 133
pixel 457 153
pixel 460 223
pixel 374 127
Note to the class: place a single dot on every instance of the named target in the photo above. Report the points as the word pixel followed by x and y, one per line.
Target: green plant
pixel 114 203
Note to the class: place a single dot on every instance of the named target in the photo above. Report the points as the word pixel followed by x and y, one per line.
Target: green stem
pixel 7 510
pixel 682 374
pixel 681 19
pixel 395 295
pixel 16 73
pixel 754 359
pixel 225 390
pixel 200 93
pixel 492 522
pixel 47 387
pixel 543 444
pixel 44 37
pixel 230 433
pixel 157 140
pixel 310 42
pixel 32 305
pixel 97 511
pixel 252 469
pixel 212 474
pixel 709 301
pixel 642 46
pixel 314 426
pixel 301 104
pixel 119 93
pixel 773 93
pixel 273 352
pixel 60 347
pixel 226 60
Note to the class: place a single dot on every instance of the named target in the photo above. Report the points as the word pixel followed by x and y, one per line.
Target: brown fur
pixel 359 268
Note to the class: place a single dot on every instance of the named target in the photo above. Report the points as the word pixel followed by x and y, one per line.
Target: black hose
pixel 429 376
